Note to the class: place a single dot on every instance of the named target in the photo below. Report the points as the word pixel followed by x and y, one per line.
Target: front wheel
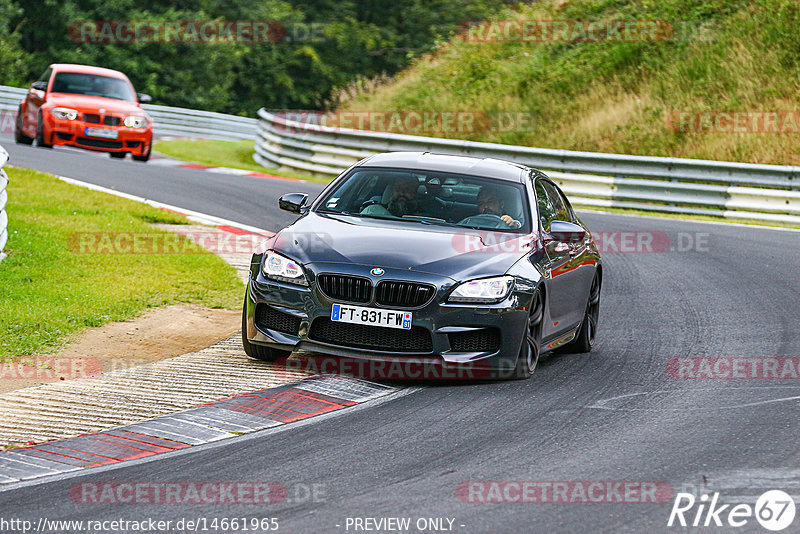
pixel 117 155
pixel 40 134
pixel 531 346
pixel 259 352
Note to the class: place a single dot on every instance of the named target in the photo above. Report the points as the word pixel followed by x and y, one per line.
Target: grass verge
pixel 234 154
pixel 616 95
pixel 50 291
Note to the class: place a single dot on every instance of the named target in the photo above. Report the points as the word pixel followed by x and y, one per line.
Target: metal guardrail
pixel 183 122
pixel 10 97
pixel 169 121
pixel 3 202
pixel 677 185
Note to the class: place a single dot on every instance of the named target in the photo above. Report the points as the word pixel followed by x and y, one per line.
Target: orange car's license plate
pixel 101 132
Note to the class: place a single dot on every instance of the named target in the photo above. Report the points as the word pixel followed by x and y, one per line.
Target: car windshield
pixel 431 198
pixel 92 84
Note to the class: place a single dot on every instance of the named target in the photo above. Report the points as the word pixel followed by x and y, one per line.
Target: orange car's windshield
pixel 79 83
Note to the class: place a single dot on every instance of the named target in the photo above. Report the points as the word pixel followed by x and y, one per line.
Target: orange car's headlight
pixel 64 113
pixel 136 121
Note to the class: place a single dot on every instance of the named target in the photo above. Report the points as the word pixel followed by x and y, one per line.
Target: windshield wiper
pixel 366 216
pixel 427 222
pixel 453 225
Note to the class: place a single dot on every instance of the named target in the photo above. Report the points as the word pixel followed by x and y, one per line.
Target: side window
pixel 558 202
pixel 547 212
pixel 45 77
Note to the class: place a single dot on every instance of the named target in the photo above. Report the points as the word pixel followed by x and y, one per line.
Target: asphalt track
pixel 612 415
pixel 245 199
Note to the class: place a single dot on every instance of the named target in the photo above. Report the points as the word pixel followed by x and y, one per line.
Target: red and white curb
pixel 169 162
pixel 208 423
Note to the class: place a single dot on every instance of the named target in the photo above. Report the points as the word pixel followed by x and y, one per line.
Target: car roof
pixel 87 69
pixel 427 161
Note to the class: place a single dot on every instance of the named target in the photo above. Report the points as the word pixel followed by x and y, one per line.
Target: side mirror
pixel 39 86
pixel 293 202
pixel 144 98
pixel 566 232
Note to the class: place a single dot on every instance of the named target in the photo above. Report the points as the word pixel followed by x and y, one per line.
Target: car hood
pixel 89 102
pixel 459 255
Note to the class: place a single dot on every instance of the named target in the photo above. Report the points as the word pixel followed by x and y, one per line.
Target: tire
pixel 19 136
pixel 584 341
pixel 144 157
pixel 531 345
pixel 259 352
pixel 118 155
pixel 40 142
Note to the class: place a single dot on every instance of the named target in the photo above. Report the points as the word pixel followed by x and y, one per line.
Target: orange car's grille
pixel 108 120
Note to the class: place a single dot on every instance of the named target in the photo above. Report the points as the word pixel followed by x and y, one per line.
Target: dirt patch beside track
pixel 157 334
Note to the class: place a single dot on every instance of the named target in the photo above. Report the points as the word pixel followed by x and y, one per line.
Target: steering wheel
pixel 484 220
pixel 367 203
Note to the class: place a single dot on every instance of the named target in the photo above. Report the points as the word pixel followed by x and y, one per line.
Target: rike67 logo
pixel 774 510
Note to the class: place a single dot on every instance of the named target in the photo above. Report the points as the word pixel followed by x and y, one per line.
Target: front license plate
pixel 101 132
pixel 371 316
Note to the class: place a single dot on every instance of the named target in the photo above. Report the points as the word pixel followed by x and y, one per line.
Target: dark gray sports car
pixel 451 261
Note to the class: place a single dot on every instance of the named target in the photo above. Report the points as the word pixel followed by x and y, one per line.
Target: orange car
pixel 86 107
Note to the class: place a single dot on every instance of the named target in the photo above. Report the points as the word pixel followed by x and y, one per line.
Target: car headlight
pixel 135 121
pixel 485 290
pixel 64 113
pixel 281 268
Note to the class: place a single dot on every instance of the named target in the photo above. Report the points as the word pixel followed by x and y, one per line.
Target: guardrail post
pixel 3 201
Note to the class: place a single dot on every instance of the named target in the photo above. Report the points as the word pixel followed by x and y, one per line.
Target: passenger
pixel 403 200
pixel 105 86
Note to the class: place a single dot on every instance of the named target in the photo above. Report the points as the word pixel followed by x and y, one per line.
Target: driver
pixel 490 202
pixel 402 202
pixel 106 87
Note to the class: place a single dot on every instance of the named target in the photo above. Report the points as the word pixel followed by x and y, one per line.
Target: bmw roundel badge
pixel 377 271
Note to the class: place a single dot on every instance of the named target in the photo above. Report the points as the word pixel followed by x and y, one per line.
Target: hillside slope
pixel 704 59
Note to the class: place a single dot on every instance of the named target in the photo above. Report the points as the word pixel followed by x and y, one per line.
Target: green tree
pixel 327 45
pixel 12 57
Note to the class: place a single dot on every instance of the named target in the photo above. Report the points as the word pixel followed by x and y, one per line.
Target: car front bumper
pixel 474 335
pixel 137 141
